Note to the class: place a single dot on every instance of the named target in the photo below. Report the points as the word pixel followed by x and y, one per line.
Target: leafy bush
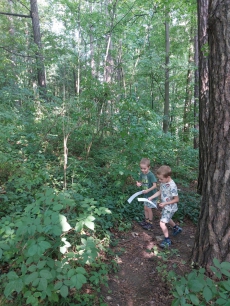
pixel 33 244
pixel 197 288
pixel 189 206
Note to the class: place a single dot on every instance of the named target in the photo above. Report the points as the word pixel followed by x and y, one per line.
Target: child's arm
pixel 155 195
pixel 174 200
pixel 138 184
pixel 154 186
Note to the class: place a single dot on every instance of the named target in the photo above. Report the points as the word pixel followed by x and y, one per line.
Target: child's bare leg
pixel 164 229
pixel 146 212
pixel 150 213
pixel 172 223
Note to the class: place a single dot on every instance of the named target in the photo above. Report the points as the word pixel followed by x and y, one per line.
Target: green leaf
pixel 19 285
pixel 80 270
pixel 35 282
pixel 64 291
pixel 225 265
pixel 89 224
pixel 4 246
pixel 78 280
pixel 46 274
pixel 207 294
pixel 12 275
pixel 220 301
pixel 32 300
pixel 58 285
pixel 226 285
pixel 179 290
pixel 31 277
pixel 194 299
pixel 176 302
pixel 42 284
pixel 41 264
pixel 32 268
pixel 195 285
pixel 78 226
pixel 57 207
pixel 33 250
pixel 9 288
pixel 24 268
pixel 216 263
pixel 44 245
pixel 1 253
pixel 71 272
pixel 225 272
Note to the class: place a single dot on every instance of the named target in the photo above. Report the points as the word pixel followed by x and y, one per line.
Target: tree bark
pixel 203 88
pixel 212 239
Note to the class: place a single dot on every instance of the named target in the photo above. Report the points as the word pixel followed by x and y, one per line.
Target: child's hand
pixel 138 184
pixel 144 191
pixel 162 205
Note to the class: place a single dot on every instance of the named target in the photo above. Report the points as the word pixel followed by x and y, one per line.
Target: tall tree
pixel 196 90
pixel 212 238
pixel 167 46
pixel 39 55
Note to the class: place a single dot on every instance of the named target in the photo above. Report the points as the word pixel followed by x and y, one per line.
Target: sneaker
pixel 177 230
pixel 143 222
pixel 148 226
pixel 165 243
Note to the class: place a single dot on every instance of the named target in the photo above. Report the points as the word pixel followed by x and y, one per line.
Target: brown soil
pixel 138 281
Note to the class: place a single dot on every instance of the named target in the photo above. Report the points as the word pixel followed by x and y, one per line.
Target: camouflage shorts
pixel 166 215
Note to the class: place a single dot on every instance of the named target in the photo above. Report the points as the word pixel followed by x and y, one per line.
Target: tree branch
pixel 17 15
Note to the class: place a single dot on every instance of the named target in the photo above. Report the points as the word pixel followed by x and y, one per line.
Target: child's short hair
pixel 165 171
pixel 145 161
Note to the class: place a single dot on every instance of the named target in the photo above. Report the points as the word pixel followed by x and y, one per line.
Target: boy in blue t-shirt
pixel 147 181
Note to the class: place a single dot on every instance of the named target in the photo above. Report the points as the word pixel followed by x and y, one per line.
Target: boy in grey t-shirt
pixel 169 200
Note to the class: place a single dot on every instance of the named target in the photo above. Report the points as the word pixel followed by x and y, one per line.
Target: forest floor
pixel 138 281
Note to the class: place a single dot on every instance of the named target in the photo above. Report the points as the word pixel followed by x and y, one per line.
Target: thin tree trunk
pixel 188 96
pixel 167 46
pixel 196 90
pixel 37 40
pixel 108 62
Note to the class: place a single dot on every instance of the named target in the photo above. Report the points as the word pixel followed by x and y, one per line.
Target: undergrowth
pixel 55 240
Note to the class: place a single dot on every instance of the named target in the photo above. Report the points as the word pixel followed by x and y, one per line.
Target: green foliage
pixel 197 288
pixel 34 242
pixel 189 206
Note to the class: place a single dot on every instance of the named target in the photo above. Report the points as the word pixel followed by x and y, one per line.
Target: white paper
pixel 134 196
pixel 146 200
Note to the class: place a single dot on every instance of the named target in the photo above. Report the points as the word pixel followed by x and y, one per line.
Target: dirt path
pixel 138 282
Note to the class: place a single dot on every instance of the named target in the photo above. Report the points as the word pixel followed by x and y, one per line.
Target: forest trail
pixel 138 282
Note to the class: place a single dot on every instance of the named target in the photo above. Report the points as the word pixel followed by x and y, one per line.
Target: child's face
pixel 144 168
pixel 163 179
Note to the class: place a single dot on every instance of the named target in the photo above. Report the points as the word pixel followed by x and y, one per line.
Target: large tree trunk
pixel 212 239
